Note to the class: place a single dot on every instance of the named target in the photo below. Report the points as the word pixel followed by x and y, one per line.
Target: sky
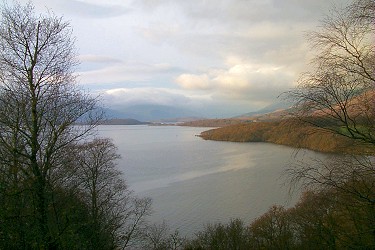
pixel 219 57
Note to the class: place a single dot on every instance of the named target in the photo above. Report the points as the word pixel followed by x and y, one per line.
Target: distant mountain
pixel 274 112
pixel 149 113
pixel 277 106
pixel 173 114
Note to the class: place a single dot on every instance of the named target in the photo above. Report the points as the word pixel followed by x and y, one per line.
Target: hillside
pixel 288 132
pixel 274 115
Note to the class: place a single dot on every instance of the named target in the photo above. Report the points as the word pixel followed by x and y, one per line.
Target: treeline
pixel 86 203
pixel 324 219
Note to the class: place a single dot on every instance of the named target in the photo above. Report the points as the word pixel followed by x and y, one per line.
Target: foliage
pixel 57 189
pixel 324 219
pixel 221 236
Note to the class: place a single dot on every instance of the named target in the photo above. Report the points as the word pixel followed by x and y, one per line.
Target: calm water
pixel 193 181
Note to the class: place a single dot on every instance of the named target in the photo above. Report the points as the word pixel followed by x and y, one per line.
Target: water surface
pixel 193 181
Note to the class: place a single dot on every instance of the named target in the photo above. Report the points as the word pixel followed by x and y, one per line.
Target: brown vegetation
pixel 320 220
pixel 289 132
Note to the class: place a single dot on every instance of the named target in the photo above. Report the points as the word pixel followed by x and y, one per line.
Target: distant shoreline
pixel 123 122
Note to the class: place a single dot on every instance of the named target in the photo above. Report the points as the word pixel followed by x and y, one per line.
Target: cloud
pixel 158 32
pixel 207 32
pixel 233 55
pixel 110 74
pixel 194 82
pixel 90 58
pixel 93 10
pixel 134 96
pixel 235 11
pixel 204 104
pixel 112 71
pixel 241 81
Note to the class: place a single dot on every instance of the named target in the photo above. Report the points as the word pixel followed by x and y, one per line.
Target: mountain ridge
pixel 149 113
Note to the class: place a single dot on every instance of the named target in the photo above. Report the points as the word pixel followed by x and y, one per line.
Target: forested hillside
pixel 290 132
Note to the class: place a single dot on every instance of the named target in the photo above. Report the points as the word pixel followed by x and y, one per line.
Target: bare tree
pixel 39 105
pixel 354 176
pixel 351 184
pixel 272 230
pixel 341 89
pixel 158 236
pixel 313 221
pixel 233 235
pixel 118 217
pixel 338 96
